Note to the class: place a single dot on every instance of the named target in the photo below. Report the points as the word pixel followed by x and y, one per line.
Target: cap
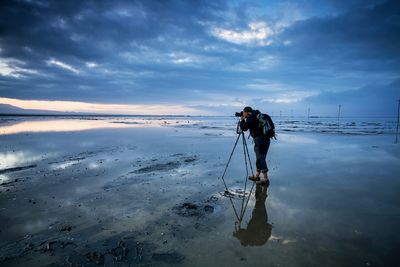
pixel 247 109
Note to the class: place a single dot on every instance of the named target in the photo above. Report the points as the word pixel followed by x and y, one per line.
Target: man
pixel 249 121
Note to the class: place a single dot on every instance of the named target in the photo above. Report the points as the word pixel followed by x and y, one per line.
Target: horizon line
pixel 172 115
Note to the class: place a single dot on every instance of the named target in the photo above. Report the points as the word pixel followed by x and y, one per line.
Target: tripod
pixel 247 161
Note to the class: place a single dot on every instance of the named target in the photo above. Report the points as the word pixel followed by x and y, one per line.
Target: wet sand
pixel 150 196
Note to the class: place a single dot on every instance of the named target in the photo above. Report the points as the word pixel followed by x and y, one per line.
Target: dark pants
pixel 261 146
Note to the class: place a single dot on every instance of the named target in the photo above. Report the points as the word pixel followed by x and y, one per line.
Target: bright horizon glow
pixel 99 108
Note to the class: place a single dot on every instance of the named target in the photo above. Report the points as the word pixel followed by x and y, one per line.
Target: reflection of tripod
pixel 247 162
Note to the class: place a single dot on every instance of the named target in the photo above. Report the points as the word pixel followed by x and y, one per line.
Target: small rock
pixel 189 206
pixel 66 228
pixel 208 209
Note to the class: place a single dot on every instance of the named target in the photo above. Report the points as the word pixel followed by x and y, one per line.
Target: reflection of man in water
pixel 258 229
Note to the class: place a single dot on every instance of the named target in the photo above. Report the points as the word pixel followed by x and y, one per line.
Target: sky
pixel 201 57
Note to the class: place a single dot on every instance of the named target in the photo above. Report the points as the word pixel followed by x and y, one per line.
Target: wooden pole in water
pixel 308 114
pixel 280 114
pixel 338 116
pixel 398 115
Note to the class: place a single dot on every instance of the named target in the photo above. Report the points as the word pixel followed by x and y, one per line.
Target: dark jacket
pixel 252 124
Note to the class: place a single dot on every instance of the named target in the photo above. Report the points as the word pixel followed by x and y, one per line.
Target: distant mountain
pixel 6 109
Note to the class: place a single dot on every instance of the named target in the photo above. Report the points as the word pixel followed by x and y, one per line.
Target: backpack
pixel 268 127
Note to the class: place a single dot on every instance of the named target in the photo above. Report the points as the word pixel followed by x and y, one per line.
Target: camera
pixel 239 114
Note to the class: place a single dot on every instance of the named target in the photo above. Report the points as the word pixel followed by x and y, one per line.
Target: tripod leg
pixel 223 175
pixel 230 157
pixel 248 156
pixel 247 172
pixel 252 172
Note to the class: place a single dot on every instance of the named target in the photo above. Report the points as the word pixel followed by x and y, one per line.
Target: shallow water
pixel 333 125
pixel 333 199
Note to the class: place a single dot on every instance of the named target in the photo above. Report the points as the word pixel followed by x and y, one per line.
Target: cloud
pixel 258 33
pixel 91 64
pixel 350 39
pixel 190 53
pixel 345 4
pixel 290 97
pixel 370 100
pixel 63 65
pixel 12 68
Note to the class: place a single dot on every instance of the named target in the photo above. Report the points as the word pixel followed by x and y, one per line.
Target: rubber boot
pixel 255 178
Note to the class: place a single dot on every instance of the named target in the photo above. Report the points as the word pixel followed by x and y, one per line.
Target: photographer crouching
pixel 261 129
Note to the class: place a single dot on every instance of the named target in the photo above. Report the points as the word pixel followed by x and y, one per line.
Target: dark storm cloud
pixel 365 38
pixel 76 32
pixel 83 28
pixel 345 4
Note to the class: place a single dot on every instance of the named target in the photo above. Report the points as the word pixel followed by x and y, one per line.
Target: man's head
pixel 247 111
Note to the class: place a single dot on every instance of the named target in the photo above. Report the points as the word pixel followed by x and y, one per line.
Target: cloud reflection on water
pixel 65 125
pixel 3 178
pixel 11 159
pixel 298 139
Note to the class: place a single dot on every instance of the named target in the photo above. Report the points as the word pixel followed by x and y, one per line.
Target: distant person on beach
pixel 261 129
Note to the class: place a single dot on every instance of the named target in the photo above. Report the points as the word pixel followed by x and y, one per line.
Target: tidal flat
pixel 147 192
